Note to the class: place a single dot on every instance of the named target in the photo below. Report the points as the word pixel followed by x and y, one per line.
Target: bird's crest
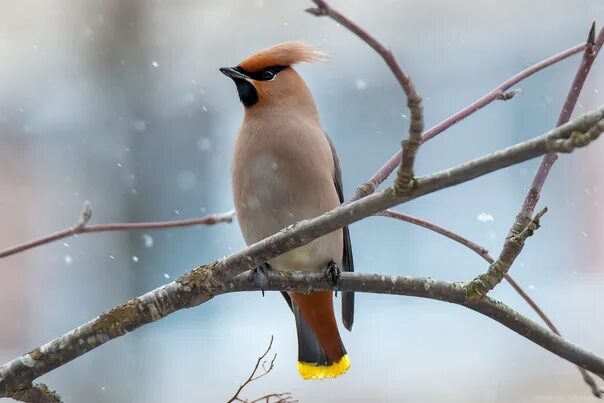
pixel 283 54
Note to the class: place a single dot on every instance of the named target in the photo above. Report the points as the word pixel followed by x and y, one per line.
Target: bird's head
pixel 267 78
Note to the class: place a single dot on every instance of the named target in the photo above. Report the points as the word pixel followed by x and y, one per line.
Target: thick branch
pixel 438 290
pixel 203 283
pixel 36 393
pixel 82 227
pixel 171 297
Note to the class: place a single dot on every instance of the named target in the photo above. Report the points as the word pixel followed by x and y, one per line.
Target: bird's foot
pixel 259 276
pixel 332 274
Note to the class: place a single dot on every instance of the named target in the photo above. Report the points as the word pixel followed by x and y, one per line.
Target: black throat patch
pixel 247 93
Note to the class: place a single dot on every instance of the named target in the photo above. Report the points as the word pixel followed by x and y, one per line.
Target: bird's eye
pixel 267 75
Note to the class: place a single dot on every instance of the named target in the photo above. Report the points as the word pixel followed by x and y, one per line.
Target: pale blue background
pixel 121 103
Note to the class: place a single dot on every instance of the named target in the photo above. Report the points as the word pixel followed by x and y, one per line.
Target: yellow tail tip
pixel 314 371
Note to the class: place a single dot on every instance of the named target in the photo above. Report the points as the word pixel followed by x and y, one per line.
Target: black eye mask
pixel 266 74
pixel 247 93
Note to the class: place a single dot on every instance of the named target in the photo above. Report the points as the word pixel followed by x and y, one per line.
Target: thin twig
pixel 480 250
pixel 522 229
pixel 589 55
pixel 410 146
pixel 484 253
pixel 498 93
pixel 514 243
pixel 281 398
pixel 82 227
pixel 592 48
pixel 253 377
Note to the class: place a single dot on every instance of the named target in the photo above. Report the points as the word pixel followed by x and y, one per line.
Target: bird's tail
pixel 321 353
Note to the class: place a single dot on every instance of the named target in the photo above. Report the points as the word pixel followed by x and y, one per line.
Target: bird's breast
pixel 280 182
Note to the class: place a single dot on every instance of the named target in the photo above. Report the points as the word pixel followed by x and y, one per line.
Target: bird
pixel 285 169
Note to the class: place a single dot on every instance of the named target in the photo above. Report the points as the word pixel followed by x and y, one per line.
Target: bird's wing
pixel 347 261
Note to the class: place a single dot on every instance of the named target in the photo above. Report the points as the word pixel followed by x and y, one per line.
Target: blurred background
pixel 121 103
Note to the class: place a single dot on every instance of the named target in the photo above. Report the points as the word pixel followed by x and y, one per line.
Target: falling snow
pixel 484 217
pixel 139 125
pixel 166 275
pixel 186 179
pixel 155 64
pixel 189 98
pixel 67 259
pixel 147 240
pixel 135 259
pixel 204 144
pixel 360 84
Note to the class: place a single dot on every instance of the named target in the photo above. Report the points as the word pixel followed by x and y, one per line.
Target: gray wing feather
pixel 347 260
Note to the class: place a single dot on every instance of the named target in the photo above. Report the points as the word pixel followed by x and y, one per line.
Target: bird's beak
pixel 233 73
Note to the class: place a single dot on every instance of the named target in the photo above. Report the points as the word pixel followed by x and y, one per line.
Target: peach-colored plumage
pixel 283 54
pixel 285 170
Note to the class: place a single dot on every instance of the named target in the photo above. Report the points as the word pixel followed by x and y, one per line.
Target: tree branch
pixel 479 250
pixel 203 283
pixel 281 397
pixel 82 227
pixel 410 146
pixel 589 55
pixel 484 253
pixel 437 290
pixel 592 47
pixel 156 304
pixel 36 393
pixel 498 93
pixel 514 243
pixel 405 173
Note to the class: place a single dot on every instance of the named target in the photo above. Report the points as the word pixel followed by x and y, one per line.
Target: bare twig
pixel 82 227
pixel 514 243
pixel 592 49
pixel 484 253
pixel 410 146
pixel 481 251
pixel 282 397
pixel 203 283
pixel 497 93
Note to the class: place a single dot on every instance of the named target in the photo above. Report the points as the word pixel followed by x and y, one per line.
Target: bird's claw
pixel 259 276
pixel 332 274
